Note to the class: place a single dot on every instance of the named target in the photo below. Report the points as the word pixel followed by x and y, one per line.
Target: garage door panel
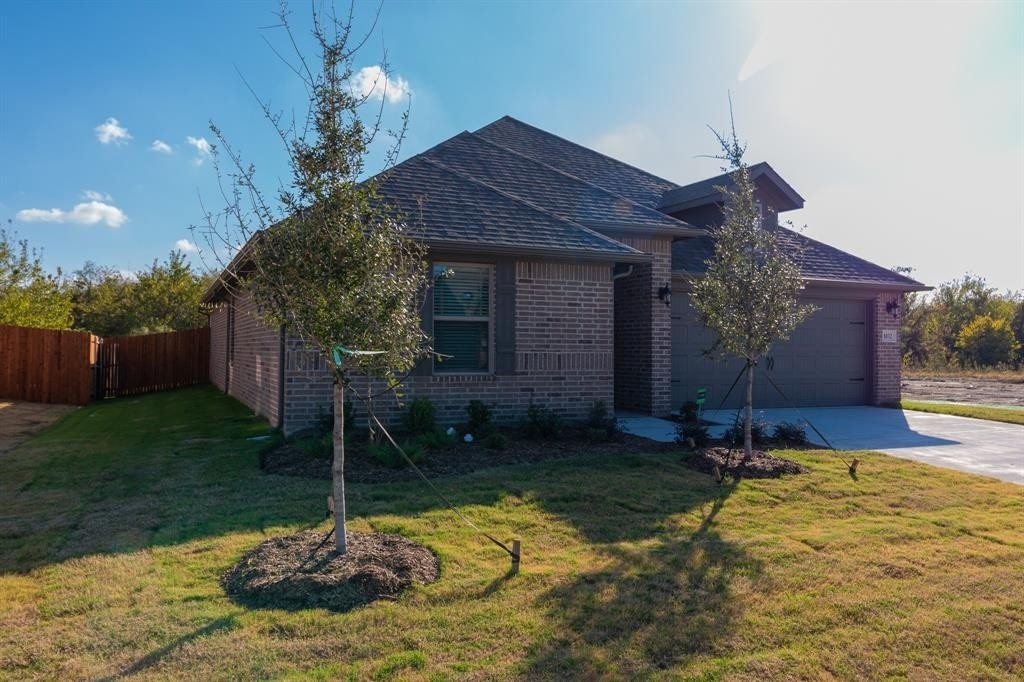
pixel 825 361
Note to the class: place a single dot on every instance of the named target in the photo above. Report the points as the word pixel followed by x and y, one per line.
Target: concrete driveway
pixel 972 445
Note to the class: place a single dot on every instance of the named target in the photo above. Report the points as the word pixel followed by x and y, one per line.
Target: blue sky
pixel 902 125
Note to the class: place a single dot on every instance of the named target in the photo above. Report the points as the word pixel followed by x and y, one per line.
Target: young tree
pixel 328 260
pixel 29 297
pixel 750 293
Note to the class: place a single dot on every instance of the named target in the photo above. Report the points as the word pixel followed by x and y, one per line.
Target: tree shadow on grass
pixel 649 610
pixel 154 657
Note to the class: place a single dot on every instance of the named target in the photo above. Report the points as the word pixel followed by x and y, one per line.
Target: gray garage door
pixel 825 361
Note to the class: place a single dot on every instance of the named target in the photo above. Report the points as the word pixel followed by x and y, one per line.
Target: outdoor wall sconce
pixel 665 295
pixel 893 308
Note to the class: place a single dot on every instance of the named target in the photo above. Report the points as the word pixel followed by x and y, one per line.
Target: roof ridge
pixel 577 144
pixel 538 162
pixel 528 204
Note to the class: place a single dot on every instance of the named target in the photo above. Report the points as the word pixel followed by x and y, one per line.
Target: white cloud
pixel 186 246
pixel 86 213
pixel 373 82
pixel 161 146
pixel 110 131
pixel 203 149
pixel 93 195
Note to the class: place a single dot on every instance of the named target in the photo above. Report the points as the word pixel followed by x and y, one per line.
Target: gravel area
pixel 966 390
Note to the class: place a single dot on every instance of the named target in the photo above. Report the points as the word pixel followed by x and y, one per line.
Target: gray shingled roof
pixel 705 191
pixel 444 206
pixel 592 167
pixel 543 186
pixel 817 261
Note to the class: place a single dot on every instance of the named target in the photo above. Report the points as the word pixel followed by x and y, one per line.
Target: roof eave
pixel 507 250
pixel 826 283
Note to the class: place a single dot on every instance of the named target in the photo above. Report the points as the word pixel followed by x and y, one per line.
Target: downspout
pixel 280 381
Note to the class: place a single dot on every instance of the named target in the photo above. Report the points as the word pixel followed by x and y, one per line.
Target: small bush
pixel 542 423
pixel 790 432
pixel 595 434
pixel 496 441
pixel 692 429
pixel 600 419
pixel 315 443
pixel 479 423
pixel 436 440
pixel 688 412
pixel 419 417
pixel 758 432
pixel 387 455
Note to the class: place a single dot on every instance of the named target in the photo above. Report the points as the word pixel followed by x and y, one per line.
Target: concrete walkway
pixel 972 445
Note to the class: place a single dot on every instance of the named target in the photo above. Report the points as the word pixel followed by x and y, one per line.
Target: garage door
pixel 825 361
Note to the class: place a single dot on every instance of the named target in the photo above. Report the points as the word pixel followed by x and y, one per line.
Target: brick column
pixel 643 331
pixel 887 357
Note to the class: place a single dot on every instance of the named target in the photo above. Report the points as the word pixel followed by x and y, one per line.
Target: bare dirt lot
pixel 965 390
pixel 19 421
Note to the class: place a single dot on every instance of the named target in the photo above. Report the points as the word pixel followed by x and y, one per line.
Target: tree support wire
pixel 852 466
pixel 514 552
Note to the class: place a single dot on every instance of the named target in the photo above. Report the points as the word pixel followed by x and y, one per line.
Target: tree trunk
pixel 338 467
pixel 748 417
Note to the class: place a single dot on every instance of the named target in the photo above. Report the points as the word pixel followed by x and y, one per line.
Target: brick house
pixel 560 277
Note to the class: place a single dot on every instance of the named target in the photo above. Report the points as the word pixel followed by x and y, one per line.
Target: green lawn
pixel 116 523
pixel 1010 415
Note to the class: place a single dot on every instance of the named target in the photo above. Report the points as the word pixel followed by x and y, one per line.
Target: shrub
pixel 496 441
pixel 600 420
pixel 758 432
pixel 790 432
pixel 688 412
pixel 595 434
pixel 542 422
pixel 315 443
pixel 692 429
pixel 986 342
pixel 436 440
pixel 479 423
pixel 419 417
pixel 387 455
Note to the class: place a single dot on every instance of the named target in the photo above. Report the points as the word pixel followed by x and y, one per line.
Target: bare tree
pixel 327 258
pixel 750 293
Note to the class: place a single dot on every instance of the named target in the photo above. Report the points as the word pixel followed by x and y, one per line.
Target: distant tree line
pixel 98 299
pixel 963 324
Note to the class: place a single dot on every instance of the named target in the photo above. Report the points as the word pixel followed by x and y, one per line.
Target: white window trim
pixel 489 319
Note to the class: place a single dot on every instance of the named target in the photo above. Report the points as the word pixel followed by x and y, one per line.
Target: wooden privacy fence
pixel 48 366
pixel 130 365
pixel 45 366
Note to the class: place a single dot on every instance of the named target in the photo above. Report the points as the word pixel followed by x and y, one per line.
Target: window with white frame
pixel 462 318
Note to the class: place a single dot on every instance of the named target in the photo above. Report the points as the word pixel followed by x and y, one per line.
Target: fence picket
pixel 69 367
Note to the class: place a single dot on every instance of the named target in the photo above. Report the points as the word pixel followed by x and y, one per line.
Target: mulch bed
pixel 463 458
pixel 458 460
pixel 718 460
pixel 298 572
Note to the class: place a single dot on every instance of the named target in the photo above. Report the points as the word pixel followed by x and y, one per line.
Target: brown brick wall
pixel 254 360
pixel 563 358
pixel 643 331
pixel 218 347
pixel 887 360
